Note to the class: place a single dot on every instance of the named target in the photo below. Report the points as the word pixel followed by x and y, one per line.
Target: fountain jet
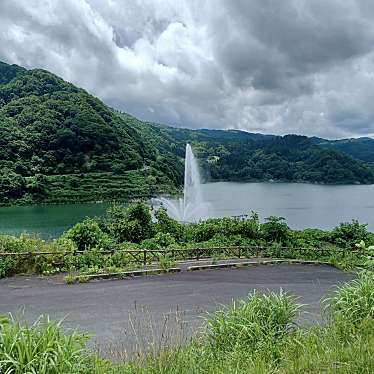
pixel 192 206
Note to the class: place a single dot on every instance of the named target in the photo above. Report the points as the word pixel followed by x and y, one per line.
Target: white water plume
pixel 192 206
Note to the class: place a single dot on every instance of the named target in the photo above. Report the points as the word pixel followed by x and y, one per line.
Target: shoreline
pixel 130 198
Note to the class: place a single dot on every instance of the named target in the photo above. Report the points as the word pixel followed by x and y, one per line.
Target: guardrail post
pixel 145 257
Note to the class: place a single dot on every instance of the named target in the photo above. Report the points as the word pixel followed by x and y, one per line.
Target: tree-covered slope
pixel 49 127
pixel 59 143
pixel 360 148
pixel 241 156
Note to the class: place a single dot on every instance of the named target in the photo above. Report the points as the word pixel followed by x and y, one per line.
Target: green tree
pixel 133 224
pixel 168 225
pixel 88 234
pixel 12 185
pixel 348 234
pixel 275 229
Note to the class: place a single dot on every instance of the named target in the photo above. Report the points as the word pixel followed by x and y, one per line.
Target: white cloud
pixel 264 65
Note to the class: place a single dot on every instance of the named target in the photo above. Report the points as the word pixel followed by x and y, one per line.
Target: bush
pixel 160 241
pixel 88 234
pixel 55 262
pixel 88 259
pixel 168 225
pixel 165 262
pixel 133 224
pixel 10 265
pixel 347 234
pixel 276 229
pixel 250 228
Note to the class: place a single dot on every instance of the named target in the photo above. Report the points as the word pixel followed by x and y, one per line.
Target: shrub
pixel 55 262
pixel 160 241
pixel 168 225
pixel 250 228
pixel 73 278
pixel 202 231
pixel 88 259
pixel 164 239
pixel 165 262
pixel 275 229
pixel 310 238
pixel 133 224
pixel 150 244
pixel 88 234
pixel 18 264
pixel 348 234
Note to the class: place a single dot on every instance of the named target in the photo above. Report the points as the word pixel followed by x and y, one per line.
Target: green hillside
pixel 55 137
pixel 241 156
pixel 58 144
pixel 360 148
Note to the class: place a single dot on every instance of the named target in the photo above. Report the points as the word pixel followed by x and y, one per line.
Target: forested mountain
pixel 360 148
pixel 59 143
pixel 241 156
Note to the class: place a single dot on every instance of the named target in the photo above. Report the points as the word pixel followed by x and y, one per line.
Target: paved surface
pixel 134 313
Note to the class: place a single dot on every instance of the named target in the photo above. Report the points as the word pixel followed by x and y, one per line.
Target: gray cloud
pixel 290 66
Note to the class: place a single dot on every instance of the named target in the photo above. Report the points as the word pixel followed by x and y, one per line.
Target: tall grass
pixel 255 323
pixel 40 348
pixel 354 301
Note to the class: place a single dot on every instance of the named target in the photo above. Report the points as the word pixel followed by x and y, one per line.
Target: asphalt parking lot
pixel 133 313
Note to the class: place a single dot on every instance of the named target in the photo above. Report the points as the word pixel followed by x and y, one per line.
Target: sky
pixel 269 66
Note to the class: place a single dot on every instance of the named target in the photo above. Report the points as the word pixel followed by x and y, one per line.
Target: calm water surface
pixel 48 221
pixel 303 205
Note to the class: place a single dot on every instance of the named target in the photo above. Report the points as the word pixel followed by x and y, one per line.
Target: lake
pixel 48 221
pixel 303 205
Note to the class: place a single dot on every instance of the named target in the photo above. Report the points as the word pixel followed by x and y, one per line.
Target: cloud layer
pixel 290 66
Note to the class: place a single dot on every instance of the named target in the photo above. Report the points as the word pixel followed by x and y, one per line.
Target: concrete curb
pixel 126 274
pixel 236 265
pixel 254 263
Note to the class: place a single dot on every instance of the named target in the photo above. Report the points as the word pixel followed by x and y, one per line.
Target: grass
pixel 256 335
pixel 355 300
pixel 254 323
pixel 165 262
pixel 41 348
pixel 76 278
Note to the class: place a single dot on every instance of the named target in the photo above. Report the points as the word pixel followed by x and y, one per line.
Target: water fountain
pixel 192 206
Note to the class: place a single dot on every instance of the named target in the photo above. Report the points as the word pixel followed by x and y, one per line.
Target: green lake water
pixel 303 205
pixel 48 221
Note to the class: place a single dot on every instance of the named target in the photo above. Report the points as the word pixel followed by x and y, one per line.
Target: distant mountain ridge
pixel 59 143
pixel 359 148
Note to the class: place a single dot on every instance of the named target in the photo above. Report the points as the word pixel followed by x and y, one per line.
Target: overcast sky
pixel 271 66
